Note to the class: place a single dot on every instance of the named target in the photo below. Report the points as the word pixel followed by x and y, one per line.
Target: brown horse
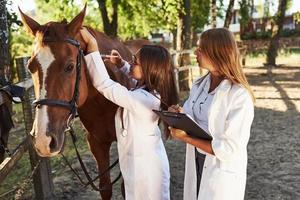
pixel 53 69
pixel 135 45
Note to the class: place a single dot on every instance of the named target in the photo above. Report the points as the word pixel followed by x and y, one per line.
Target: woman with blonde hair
pixel 222 104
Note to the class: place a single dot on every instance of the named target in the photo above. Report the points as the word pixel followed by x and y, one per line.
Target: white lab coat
pixel 229 121
pixel 142 156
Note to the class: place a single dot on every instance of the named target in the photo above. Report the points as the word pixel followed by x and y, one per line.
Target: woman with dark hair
pixel 142 156
pixel 222 104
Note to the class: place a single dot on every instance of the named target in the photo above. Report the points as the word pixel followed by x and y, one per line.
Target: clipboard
pixel 184 122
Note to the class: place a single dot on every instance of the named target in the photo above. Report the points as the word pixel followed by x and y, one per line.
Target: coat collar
pixel 224 86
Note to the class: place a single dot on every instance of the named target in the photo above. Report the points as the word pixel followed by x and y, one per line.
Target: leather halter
pixel 70 105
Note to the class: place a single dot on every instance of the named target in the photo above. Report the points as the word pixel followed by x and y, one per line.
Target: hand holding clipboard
pixel 184 122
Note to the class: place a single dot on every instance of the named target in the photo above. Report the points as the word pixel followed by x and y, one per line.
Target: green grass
pixel 281 52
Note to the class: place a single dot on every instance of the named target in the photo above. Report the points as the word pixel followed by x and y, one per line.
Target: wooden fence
pixel 193 70
pixel 42 180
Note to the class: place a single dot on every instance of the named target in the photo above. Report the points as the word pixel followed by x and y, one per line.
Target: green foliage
pixel 199 14
pixel 21 43
pixel 244 12
pixel 266 9
pixel 257 35
pixel 136 19
pixel 283 52
pixel 139 18
pixel 290 32
pixel 220 9
pixel 278 13
pixel 66 9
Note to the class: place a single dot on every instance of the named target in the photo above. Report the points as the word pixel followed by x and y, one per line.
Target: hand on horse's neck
pixel 215 80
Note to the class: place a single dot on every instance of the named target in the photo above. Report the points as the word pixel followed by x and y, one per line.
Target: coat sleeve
pixel 125 68
pixel 112 90
pixel 237 128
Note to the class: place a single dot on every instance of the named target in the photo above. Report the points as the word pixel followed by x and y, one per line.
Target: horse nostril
pixel 53 143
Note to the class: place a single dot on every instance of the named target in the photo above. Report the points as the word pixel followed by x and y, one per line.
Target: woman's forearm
pixel 205 145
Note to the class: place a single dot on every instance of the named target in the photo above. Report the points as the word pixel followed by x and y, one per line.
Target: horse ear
pixel 76 24
pixel 31 25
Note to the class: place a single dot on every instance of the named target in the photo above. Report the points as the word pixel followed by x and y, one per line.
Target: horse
pixel 53 66
pixel 6 122
pixel 135 45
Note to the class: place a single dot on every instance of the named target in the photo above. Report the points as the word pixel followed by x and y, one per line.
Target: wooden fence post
pixel 43 185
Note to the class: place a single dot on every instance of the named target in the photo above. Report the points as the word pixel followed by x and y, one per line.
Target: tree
pixel 66 9
pixel 266 13
pixel 245 16
pixel 229 13
pixel 184 25
pixel 4 53
pixel 213 13
pixel 110 26
pixel 183 40
pixel 200 17
pixel 157 15
pixel 274 43
pixel 251 3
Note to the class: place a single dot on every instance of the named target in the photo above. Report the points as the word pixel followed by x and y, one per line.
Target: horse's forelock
pixel 53 31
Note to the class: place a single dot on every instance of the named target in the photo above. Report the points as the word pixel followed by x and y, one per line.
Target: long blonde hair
pixel 220 47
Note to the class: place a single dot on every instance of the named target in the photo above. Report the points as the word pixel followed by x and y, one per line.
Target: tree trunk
pixel 194 39
pixel 274 43
pixel 174 33
pixel 183 41
pixel 252 8
pixel 110 26
pixel 266 14
pixel 229 13
pixel 213 13
pixel 4 46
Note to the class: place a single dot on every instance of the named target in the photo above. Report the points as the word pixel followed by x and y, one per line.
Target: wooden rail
pixel 10 162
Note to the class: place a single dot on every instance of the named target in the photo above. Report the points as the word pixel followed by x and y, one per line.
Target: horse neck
pixel 115 75
pixel 105 45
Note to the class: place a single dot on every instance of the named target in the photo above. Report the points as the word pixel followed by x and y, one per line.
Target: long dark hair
pixel 158 74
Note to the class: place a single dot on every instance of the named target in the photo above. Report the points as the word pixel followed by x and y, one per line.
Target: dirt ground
pixel 273 150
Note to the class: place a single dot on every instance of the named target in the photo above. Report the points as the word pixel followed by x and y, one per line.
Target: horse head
pixel 58 71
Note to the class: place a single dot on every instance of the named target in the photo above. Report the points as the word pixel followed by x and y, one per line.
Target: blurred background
pixel 268 36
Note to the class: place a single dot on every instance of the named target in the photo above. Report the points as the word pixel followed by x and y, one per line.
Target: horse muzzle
pixel 48 144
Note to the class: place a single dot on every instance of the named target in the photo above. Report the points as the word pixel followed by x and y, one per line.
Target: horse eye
pixel 69 68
